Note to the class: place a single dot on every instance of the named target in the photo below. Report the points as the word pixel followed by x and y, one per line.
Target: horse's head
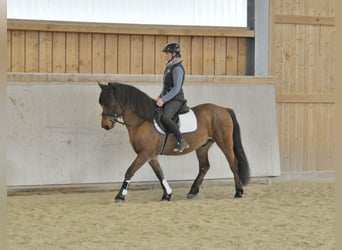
pixel 111 109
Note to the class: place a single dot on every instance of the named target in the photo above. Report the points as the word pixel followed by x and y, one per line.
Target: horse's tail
pixel 242 162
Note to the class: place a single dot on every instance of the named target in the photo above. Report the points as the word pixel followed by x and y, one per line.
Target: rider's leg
pixel 170 109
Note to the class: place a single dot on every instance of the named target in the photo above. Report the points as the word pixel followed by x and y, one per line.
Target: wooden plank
pixel 185 44
pixel 58 52
pixel 196 55
pixel 45 52
pixel 31 51
pixel 136 54
pixel 148 53
pixel 160 42
pixel 98 51
pixel 85 53
pixel 173 39
pixel 242 56
pixel 220 56
pixel 54 78
pixel 232 56
pixel 9 51
pixel 111 54
pixel 124 54
pixel 306 98
pixel 208 55
pixel 134 29
pixel 18 51
pixel 306 20
pixel 72 42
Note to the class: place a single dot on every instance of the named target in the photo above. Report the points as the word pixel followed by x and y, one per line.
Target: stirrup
pixel 181 146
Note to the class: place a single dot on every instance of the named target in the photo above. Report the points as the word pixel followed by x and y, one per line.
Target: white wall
pixel 55 136
pixel 177 12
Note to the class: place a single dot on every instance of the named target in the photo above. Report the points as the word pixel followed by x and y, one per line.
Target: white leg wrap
pixel 167 187
pixel 125 189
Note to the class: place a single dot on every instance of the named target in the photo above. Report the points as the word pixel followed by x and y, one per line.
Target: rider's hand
pixel 159 102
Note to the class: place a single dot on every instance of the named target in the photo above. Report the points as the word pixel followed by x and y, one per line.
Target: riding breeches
pixel 169 110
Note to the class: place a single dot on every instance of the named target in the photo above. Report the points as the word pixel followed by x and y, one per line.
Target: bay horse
pixel 125 104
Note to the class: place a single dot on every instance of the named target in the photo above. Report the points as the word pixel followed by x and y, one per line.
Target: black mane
pixel 129 97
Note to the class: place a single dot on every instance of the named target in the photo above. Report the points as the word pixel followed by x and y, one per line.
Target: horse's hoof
pixel 119 198
pixel 191 196
pixel 166 197
pixel 238 195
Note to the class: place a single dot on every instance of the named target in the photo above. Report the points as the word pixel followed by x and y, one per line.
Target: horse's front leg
pixel 159 173
pixel 136 164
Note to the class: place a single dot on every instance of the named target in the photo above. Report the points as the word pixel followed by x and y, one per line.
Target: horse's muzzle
pixel 107 124
pixel 106 127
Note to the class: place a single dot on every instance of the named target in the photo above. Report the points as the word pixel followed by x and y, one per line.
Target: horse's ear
pixel 101 85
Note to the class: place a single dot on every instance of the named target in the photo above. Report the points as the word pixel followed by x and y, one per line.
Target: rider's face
pixel 168 56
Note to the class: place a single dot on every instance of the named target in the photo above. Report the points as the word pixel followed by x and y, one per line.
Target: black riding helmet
pixel 173 48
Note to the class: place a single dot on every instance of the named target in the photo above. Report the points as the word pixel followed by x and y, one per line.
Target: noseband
pixel 114 117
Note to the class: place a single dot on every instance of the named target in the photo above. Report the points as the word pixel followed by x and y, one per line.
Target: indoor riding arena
pixel 272 62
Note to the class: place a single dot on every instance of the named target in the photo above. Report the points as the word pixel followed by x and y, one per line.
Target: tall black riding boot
pixel 182 144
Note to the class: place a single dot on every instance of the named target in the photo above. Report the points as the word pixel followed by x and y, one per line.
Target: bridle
pixel 114 117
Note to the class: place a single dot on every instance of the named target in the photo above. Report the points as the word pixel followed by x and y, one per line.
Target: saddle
pixel 184 118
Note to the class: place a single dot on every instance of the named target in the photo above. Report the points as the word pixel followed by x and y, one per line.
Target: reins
pixel 115 119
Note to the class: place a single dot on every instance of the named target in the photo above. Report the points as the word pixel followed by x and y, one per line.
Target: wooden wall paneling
pixel 160 42
pixel 173 39
pixel 197 55
pixel 64 36
pixel 297 135
pixel 98 54
pixel 208 55
pixel 136 54
pixel 124 56
pixel 9 51
pixel 242 43
pixel 31 51
pixel 313 84
pixel 185 43
pixel 284 135
pixel 314 138
pixel 58 52
pixel 72 49
pixel 148 54
pixel 306 136
pixel 85 53
pixel 331 138
pixel 18 51
pixel 45 52
pixel 232 56
pixel 290 59
pixel 220 55
pixel 111 54
pixel 326 52
pixel 285 46
pixel 293 159
pixel 305 8
pixel 297 60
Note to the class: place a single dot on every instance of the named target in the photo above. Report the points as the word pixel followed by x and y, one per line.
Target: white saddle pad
pixel 187 122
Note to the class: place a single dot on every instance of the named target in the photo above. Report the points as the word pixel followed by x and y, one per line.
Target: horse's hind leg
pixel 227 149
pixel 159 173
pixel 204 165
